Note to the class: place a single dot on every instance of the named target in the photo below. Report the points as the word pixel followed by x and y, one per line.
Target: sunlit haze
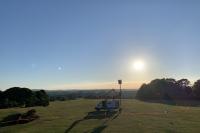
pixel 90 44
pixel 139 65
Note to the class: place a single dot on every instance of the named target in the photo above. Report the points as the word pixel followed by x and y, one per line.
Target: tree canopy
pixel 196 89
pixel 23 97
pixel 169 90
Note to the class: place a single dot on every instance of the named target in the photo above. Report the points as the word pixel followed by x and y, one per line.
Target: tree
pixel 171 80
pixel 42 99
pixel 183 83
pixel 196 89
pixel 23 97
pixel 18 96
pixel 163 90
pixel 1 99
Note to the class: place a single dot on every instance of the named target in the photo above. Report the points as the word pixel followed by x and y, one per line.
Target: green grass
pixel 136 117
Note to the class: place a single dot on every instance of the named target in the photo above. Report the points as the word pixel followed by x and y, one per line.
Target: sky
pixel 90 44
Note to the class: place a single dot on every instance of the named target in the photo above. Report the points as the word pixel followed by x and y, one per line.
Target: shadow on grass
pixel 99 129
pixel 100 114
pixel 73 125
pixel 96 115
pixel 19 118
pixel 117 114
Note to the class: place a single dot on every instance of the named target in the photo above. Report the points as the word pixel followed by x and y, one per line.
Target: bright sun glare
pixel 139 65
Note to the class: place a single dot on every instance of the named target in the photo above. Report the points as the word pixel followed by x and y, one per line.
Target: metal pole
pixel 120 92
pixel 120 95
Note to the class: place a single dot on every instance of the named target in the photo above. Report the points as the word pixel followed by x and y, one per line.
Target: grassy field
pixel 135 117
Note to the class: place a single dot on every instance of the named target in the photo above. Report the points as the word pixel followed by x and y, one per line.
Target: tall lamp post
pixel 120 93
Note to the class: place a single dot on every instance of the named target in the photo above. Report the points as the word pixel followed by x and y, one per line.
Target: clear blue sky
pixel 66 44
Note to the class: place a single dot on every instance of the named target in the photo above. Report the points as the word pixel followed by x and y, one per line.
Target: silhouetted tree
pixel 1 99
pixel 42 98
pixel 18 96
pixel 196 89
pixel 183 83
pixel 171 80
pixel 162 90
pixel 23 97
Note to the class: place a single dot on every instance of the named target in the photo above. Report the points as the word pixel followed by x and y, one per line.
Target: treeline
pixel 170 91
pixel 62 95
pixel 23 97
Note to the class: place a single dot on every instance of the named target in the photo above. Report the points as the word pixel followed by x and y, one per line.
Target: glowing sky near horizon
pixel 91 44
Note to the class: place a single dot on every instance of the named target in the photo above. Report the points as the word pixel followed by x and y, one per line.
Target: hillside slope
pixel 136 116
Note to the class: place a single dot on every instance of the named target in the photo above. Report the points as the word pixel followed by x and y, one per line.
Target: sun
pixel 139 65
